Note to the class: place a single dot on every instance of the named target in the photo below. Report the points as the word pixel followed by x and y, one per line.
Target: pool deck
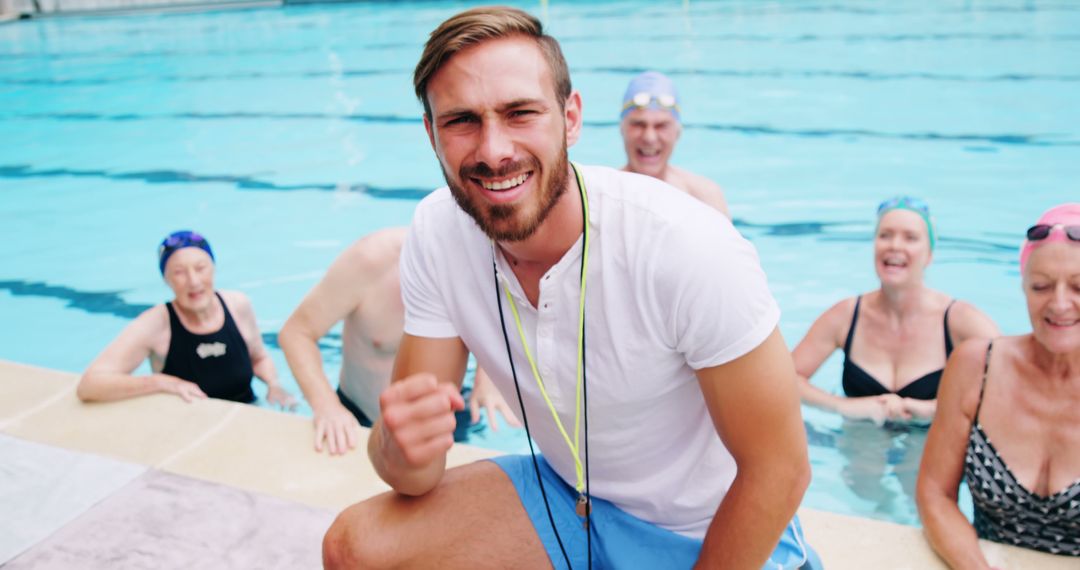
pixel 154 482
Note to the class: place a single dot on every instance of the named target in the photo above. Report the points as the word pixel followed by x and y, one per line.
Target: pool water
pixel 284 134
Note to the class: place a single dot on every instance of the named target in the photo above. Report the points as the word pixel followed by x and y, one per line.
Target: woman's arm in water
pixel 109 376
pixel 261 363
pixel 825 336
pixel 942 467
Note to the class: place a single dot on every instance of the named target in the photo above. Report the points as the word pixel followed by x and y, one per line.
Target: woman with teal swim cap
pixel 896 338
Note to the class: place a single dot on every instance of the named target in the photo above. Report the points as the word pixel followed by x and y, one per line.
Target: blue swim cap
pixel 651 90
pixel 179 240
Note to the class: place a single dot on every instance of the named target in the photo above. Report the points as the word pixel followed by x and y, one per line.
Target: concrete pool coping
pixel 269 456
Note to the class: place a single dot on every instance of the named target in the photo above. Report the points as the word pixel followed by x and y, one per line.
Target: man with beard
pixel 650 126
pixel 632 325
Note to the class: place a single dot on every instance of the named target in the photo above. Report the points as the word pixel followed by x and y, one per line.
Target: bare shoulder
pixel 151 322
pixel 962 379
pixel 967 321
pixel 238 303
pixel 696 184
pixel 839 315
pixel 831 326
pixel 375 252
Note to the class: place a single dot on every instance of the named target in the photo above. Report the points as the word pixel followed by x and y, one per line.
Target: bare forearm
pixel 392 468
pixel 753 516
pixel 305 361
pixel 109 386
pixel 817 397
pixel 950 533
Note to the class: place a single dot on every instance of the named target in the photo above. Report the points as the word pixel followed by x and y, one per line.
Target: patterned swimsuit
pixel 1008 513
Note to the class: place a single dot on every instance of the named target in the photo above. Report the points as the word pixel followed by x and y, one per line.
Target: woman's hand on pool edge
pixel 276 395
pixel 188 391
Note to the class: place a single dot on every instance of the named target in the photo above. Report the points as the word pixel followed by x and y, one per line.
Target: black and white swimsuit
pixel 1008 513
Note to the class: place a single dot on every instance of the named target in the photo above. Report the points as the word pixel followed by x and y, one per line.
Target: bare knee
pixel 355 541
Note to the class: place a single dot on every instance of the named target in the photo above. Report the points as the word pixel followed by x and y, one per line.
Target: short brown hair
pixel 475 26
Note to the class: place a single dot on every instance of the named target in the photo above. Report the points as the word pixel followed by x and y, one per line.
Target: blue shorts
pixel 620 540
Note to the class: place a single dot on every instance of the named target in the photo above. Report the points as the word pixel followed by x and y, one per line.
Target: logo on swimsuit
pixel 206 350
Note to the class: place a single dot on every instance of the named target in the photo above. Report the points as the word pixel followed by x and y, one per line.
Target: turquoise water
pixel 285 134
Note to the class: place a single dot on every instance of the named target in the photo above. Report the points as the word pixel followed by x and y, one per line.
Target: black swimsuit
pixel 858 383
pixel 218 362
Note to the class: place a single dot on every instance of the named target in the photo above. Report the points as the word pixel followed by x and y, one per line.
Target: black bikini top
pixel 858 383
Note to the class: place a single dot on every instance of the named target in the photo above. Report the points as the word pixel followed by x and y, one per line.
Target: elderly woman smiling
pixel 896 338
pixel 1009 417
pixel 204 343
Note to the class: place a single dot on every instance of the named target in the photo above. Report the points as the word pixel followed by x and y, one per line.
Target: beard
pixel 511 222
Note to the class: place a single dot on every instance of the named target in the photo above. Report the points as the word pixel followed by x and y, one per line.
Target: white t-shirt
pixel 672 287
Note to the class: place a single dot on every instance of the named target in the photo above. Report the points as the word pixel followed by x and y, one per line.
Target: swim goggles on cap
pixel 1040 232
pixel 644 99
pixel 904 203
pixel 180 240
pixel 916 205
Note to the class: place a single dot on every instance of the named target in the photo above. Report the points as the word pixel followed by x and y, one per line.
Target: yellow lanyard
pixel 578 469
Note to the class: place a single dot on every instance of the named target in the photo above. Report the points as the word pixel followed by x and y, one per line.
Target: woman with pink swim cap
pixel 896 338
pixel 1009 417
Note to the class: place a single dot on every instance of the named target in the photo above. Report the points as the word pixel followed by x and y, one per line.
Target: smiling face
pixel 501 135
pixel 649 137
pixel 901 248
pixel 190 274
pixel 1052 288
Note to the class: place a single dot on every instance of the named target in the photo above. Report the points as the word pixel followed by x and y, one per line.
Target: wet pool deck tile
pixel 43 488
pixel 261 468
pixel 162 520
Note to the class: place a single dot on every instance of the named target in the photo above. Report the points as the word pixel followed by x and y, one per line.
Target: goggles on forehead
pixel 904 203
pixel 644 99
pixel 179 240
pixel 916 205
pixel 1040 232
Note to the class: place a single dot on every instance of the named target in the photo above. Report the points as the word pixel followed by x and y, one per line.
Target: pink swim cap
pixel 1063 214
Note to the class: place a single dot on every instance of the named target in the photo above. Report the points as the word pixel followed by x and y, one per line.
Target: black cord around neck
pixel 584 392
pixel 524 416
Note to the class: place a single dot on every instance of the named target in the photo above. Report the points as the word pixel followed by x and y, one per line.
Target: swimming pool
pixel 285 134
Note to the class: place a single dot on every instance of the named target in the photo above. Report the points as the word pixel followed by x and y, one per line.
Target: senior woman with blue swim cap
pixel 204 343
pixel 1009 417
pixel 896 338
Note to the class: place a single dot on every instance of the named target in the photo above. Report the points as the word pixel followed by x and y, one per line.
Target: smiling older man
pixel 651 125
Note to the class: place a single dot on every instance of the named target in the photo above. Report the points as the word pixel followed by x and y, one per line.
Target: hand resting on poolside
pixel 188 391
pixel 335 425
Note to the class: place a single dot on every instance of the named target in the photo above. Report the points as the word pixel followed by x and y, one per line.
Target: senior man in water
pixel 650 126
pixel 672 437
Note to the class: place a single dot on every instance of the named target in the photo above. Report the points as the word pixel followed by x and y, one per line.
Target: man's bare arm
pixel 345 286
pixel 410 439
pixel 754 403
